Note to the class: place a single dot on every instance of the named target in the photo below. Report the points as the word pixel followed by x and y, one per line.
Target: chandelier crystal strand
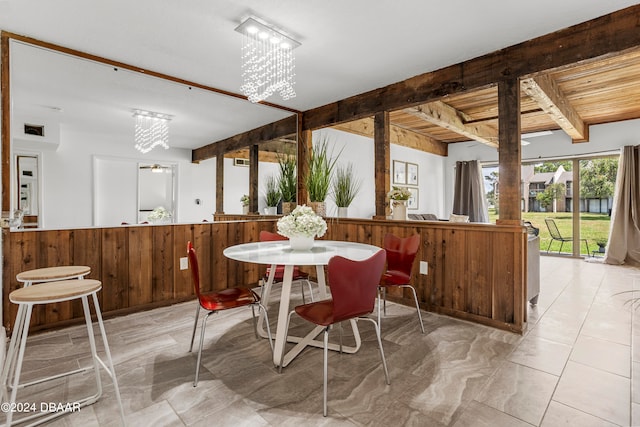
pixel 268 62
pixel 151 130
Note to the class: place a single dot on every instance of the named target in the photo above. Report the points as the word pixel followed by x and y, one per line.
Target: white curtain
pixel 624 232
pixel 468 197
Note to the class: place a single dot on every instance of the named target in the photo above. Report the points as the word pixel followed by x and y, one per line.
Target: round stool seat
pixel 53 273
pixel 63 290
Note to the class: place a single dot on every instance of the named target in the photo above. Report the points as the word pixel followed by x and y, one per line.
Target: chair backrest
pixel 193 264
pixel 268 236
pixel 354 285
pixel 401 252
pixel 553 229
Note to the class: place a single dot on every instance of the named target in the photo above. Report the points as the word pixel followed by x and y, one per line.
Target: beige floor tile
pixel 519 391
pixel 595 392
pixel 601 354
pixel 480 415
pixel 542 354
pixel 562 415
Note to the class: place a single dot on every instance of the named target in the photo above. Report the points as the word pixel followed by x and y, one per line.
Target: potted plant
pixel 318 180
pixel 245 203
pixel 272 195
pixel 345 188
pixel 301 226
pixel 602 246
pixel 398 197
pixel 288 183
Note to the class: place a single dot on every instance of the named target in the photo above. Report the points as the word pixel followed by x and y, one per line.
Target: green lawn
pixel 594 228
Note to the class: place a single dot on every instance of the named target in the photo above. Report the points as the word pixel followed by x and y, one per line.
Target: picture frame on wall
pixel 412 174
pixel 412 203
pixel 399 172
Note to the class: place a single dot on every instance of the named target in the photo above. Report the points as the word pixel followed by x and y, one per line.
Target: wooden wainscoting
pixel 476 271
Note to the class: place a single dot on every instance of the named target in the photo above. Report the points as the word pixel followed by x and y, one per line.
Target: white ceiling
pixel 348 47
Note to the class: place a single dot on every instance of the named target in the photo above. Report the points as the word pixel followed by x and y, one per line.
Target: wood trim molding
pixel 5 128
pixel 133 68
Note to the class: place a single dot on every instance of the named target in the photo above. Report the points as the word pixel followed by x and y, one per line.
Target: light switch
pixel 184 263
pixel 424 267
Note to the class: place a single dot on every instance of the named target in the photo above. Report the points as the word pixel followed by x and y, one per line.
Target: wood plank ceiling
pixel 571 99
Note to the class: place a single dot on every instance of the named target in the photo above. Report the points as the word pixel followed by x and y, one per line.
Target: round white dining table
pixel 279 253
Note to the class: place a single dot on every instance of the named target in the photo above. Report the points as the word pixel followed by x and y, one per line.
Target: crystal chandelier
pixel 268 63
pixel 151 130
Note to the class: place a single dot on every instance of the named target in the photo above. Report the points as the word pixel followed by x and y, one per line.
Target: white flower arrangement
pixel 399 193
pixel 159 213
pixel 244 200
pixel 302 221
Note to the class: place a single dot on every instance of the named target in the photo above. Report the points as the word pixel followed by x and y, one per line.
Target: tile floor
pixel 577 365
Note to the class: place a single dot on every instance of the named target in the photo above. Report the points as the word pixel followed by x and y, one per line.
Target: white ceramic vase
pixel 245 209
pixel 301 243
pixel 399 210
pixel 271 210
pixel 343 211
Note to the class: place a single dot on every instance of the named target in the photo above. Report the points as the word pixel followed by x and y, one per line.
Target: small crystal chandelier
pixel 268 63
pixel 151 130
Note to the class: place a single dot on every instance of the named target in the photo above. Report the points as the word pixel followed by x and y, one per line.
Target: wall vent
pixel 240 162
pixel 37 130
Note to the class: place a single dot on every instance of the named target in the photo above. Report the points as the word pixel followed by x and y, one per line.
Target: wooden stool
pixel 50 274
pixel 46 293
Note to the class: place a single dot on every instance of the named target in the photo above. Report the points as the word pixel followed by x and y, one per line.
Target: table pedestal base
pixel 307 340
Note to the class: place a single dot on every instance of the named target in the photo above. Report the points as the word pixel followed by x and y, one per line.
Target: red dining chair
pixel 218 301
pixel 353 287
pixel 267 236
pixel 401 253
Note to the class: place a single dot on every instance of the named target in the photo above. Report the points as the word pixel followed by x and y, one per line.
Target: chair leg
pixel 384 361
pixel 379 303
pixel 561 244
pixel 195 324
pixel 92 346
pixel 415 298
pixel 384 301
pixel 107 351
pixel 310 290
pixel 266 321
pixel 18 364
pixel 202 328
pixel 325 370
pixel 549 247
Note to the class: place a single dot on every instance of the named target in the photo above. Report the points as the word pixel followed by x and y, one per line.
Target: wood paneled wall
pixel 476 271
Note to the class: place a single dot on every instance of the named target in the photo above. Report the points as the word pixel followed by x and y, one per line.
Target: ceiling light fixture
pixel 151 130
pixel 268 63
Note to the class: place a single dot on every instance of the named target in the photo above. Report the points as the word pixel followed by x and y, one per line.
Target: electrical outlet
pixel 424 267
pixel 184 263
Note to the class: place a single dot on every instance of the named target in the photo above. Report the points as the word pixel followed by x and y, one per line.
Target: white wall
pixel 603 139
pixel 236 184
pixel 360 151
pixel 68 179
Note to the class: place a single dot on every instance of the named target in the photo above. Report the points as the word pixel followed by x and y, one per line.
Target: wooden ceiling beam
pixel 263 156
pixel 398 135
pixel 281 129
pixel 444 115
pixel 594 39
pixel 545 92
